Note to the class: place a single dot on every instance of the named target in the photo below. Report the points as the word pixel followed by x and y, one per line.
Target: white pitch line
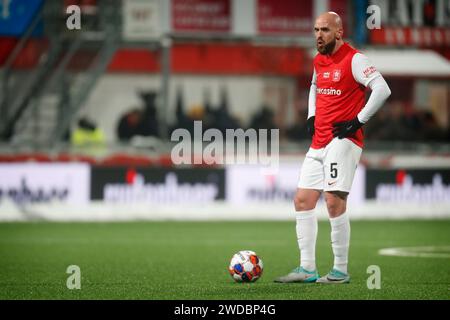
pixel 417 252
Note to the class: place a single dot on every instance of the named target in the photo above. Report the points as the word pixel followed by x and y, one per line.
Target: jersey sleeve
pixel 380 92
pixel 366 74
pixel 363 70
pixel 312 96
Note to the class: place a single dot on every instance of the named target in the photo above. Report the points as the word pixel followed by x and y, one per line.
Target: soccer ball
pixel 246 266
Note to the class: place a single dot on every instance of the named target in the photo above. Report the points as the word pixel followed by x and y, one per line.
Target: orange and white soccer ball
pixel 246 266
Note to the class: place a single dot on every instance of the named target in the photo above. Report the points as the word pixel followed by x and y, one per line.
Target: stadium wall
pixel 83 192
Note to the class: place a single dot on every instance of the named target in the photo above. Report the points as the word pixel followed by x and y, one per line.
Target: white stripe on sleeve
pixel 312 96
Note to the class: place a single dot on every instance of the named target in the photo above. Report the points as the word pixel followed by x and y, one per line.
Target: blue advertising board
pixel 17 15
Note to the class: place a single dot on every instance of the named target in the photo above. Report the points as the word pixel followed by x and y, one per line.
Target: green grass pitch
pixel 189 260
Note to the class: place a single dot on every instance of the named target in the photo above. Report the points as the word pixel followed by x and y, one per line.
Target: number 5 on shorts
pixel 333 170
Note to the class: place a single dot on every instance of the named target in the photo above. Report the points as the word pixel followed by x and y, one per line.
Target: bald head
pixel 331 18
pixel 328 31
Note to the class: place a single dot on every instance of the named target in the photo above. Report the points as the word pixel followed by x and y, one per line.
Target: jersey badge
pixel 336 75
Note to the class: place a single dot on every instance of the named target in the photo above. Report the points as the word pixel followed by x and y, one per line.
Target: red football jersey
pixel 339 97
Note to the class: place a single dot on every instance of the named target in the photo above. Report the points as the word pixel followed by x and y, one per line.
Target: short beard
pixel 328 48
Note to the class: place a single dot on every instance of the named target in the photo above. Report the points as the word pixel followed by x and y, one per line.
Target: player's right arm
pixel 312 105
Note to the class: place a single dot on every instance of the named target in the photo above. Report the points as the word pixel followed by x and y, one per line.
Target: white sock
pixel 340 241
pixel 306 237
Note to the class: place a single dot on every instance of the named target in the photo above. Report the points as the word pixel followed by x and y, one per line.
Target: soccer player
pixel 336 114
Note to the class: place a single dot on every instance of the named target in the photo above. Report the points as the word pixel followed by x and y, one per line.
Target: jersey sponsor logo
pixel 336 75
pixel 329 91
pixel 369 71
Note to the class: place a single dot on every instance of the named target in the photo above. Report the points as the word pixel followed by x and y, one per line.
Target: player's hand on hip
pixel 310 125
pixel 346 128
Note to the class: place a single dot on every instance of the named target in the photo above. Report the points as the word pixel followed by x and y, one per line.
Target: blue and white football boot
pixel 335 277
pixel 299 274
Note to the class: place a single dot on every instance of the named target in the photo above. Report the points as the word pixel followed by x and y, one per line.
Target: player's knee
pixel 335 208
pixel 303 204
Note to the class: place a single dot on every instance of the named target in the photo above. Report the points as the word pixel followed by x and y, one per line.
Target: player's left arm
pixel 366 74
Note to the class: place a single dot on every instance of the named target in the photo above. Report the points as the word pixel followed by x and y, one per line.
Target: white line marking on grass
pixel 417 252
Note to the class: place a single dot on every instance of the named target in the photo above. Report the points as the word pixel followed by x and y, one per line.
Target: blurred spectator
pixel 149 122
pixel 129 124
pixel 393 123
pixel 210 113
pixel 87 134
pixel 390 123
pixel 196 113
pixel 298 130
pixel 140 122
pixel 221 117
pixel 430 130
pixel 263 119
pixel 184 120
pixel 181 119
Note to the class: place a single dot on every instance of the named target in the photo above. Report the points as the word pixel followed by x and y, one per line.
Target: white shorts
pixel 331 168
